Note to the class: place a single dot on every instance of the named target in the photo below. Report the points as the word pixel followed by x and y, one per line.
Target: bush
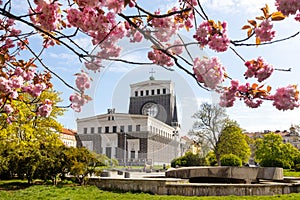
pixel 271 163
pixel 211 159
pixel 231 160
pixel 189 159
pixel 297 167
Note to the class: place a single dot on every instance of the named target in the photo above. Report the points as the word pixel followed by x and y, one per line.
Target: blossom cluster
pixel 209 71
pixel 264 32
pixel 212 34
pixel 18 81
pixel 47 14
pixel 258 69
pixel 45 109
pixel 286 98
pixel 288 7
pixel 160 58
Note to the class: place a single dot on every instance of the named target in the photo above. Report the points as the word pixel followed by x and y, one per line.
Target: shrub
pixel 231 160
pixel 189 159
pixel 297 167
pixel 271 163
pixel 211 159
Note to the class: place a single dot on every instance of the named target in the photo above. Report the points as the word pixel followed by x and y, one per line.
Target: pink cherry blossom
pixel 45 109
pixel 8 109
pixel 264 32
pixel 209 71
pixel 77 101
pixel 286 98
pixel 177 47
pixel 288 7
pixel 160 58
pixel 5 85
pixel 82 81
pixel 297 18
pixel 258 69
pixel 164 28
pixel 228 95
pixel 47 14
pixel 93 65
pixel 215 37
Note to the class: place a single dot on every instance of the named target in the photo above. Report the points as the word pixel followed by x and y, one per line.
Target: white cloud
pixel 238 6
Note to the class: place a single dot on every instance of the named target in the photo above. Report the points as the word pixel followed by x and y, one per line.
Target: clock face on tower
pixel 150 109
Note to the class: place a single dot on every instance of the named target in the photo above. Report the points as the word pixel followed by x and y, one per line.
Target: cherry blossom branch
pixel 163 15
pixel 266 43
pixel 48 69
pixel 12 16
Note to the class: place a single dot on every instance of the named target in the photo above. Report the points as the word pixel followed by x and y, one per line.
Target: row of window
pixel 120 129
pixel 160 132
pixel 152 92
pixel 113 129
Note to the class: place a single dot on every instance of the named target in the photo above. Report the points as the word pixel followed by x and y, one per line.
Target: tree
pixel 108 22
pixel 81 162
pixel 30 141
pixel 233 141
pixel 210 122
pixel 272 152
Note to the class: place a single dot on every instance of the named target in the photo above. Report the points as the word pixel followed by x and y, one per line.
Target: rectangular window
pixel 108 152
pixel 99 129
pixel 85 130
pixel 138 127
pixel 158 91
pixel 147 92
pixel 114 129
pixel 132 154
pixel 106 129
pixel 142 93
pixel 129 128
pixel 152 92
pixel 122 129
pixel 164 90
pixel 92 130
pixel 136 93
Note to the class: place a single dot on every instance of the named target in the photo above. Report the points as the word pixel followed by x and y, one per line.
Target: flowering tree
pixel 106 22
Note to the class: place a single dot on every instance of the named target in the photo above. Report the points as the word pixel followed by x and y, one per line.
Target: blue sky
pixel 111 86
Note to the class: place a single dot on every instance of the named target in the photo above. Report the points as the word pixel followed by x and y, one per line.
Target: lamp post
pixel 175 135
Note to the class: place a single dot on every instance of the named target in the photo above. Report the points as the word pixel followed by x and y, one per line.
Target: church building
pixel 147 134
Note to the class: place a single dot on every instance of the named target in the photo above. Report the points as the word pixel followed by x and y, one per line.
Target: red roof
pixel 68 131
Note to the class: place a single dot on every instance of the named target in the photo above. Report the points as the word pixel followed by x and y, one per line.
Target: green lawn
pixel 289 173
pixel 18 190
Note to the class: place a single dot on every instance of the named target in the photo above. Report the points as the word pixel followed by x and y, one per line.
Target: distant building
pixel 68 137
pixel 291 136
pixel 148 134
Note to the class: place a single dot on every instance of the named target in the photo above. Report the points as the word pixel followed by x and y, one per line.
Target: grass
pixel 290 173
pixel 19 190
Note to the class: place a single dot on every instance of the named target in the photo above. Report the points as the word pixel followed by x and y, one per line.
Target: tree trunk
pixel 218 159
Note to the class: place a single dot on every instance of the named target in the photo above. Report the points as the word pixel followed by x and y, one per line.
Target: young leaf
pixel 249 32
pixel 246 27
pixel 257 41
pixel 260 18
pixel 252 22
pixel 277 16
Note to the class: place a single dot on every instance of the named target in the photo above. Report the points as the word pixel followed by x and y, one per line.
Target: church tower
pixel 155 98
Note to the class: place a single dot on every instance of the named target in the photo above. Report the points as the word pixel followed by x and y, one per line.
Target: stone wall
pixel 163 186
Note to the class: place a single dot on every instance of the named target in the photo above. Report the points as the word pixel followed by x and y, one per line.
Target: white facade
pixel 147 140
